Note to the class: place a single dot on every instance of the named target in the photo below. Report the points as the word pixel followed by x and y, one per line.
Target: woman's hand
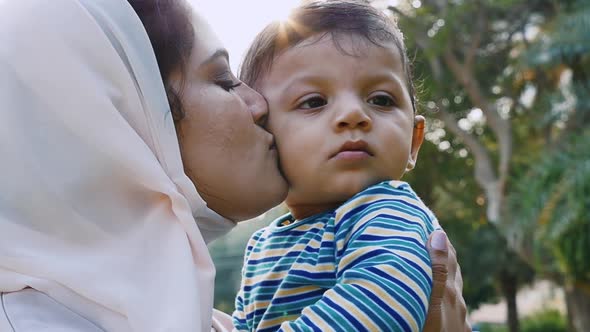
pixel 221 322
pixel 447 311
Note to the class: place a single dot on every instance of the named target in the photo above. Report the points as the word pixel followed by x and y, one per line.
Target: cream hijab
pixel 95 208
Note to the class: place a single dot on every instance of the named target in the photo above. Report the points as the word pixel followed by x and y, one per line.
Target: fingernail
pixel 439 241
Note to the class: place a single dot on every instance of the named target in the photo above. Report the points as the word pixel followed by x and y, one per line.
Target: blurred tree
pixel 443 180
pixel 228 256
pixel 551 198
pixel 552 203
pixel 510 80
pixel 464 60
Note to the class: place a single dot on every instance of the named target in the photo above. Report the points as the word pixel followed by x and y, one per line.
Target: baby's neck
pixel 302 211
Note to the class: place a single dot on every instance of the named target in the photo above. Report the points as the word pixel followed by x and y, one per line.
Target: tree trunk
pixel 509 285
pixel 577 299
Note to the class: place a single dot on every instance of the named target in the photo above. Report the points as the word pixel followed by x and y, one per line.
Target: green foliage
pixel 550 194
pixel 548 187
pixel 568 39
pixel 489 327
pixel 563 43
pixel 445 182
pixel 446 178
pixel 545 321
pixel 552 204
pixel 228 256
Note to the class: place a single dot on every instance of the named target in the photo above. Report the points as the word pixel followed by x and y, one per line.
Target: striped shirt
pixel 361 267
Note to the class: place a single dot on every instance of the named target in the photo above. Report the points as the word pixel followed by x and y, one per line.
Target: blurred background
pixel 504 85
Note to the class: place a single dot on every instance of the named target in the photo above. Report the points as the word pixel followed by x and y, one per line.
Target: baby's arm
pixel 239 315
pixel 384 275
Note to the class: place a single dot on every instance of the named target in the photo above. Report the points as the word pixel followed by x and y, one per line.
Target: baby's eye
pixel 381 100
pixel 313 102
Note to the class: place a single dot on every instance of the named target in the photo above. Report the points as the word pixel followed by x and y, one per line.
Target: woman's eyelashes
pixel 229 85
pixel 226 81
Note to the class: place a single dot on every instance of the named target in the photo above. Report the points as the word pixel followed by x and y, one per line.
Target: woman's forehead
pixel 206 42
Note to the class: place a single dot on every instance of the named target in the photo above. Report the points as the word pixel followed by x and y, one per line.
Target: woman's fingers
pixel 447 310
pixel 438 250
pixel 451 283
pixel 461 303
pixel 454 308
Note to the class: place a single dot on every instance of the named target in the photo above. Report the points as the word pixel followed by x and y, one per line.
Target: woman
pixel 98 190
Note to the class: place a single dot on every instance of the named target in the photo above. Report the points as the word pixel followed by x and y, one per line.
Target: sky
pixel 237 22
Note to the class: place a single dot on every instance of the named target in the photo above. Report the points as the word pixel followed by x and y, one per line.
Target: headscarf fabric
pixel 95 208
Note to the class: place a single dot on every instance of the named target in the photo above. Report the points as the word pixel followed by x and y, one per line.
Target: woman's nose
pixel 256 103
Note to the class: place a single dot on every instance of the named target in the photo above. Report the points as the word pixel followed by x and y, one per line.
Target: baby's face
pixel 341 122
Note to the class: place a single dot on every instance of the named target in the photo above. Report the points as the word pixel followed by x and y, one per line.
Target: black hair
pixel 171 33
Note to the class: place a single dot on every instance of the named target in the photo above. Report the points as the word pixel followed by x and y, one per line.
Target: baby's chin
pixel 348 189
pixel 340 195
pixel 329 195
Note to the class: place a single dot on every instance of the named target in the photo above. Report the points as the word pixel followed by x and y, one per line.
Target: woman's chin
pixel 259 202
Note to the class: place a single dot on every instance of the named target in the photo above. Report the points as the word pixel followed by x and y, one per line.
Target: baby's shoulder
pixel 385 200
pixel 381 193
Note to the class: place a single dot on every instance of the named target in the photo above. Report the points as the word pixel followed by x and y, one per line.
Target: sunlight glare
pixel 236 23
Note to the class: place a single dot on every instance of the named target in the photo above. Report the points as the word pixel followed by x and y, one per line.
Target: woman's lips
pixel 271 142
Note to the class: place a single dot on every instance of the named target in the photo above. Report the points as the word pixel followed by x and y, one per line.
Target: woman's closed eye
pixel 228 85
pixel 381 99
pixel 226 81
pixel 312 102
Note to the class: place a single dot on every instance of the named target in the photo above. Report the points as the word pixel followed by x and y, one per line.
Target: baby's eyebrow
pixel 304 78
pixel 308 80
pixel 381 78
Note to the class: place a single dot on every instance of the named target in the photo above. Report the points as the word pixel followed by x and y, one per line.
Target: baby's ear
pixel 417 139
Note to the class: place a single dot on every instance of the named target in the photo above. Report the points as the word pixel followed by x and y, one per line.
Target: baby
pixel 351 254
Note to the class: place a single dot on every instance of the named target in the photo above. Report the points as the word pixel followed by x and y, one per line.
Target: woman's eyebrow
pixel 218 53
